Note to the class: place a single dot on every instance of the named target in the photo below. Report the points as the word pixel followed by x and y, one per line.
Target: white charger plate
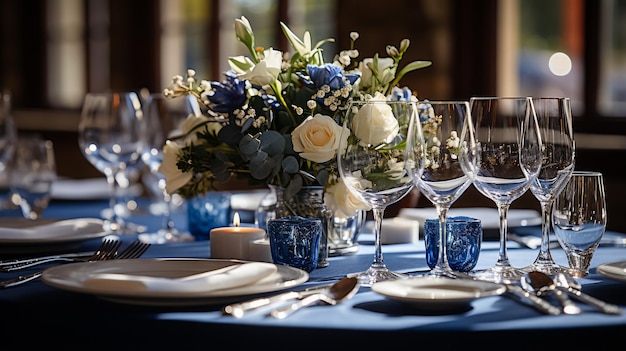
pixel 432 293
pixel 19 235
pixel 74 277
pixel 489 217
pixel 613 270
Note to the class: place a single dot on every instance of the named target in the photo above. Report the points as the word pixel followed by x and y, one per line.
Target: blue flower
pixel 229 94
pixel 397 94
pixel 328 74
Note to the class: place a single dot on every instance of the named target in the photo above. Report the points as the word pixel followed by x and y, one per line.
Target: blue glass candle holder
pixel 295 241
pixel 464 237
pixel 206 212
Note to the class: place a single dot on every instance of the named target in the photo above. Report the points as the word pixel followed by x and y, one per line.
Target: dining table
pixel 36 313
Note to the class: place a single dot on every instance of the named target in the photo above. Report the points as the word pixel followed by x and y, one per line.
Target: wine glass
pixel 444 125
pixel 164 118
pixel 371 163
pixel 33 171
pixel 554 117
pixel 502 161
pixel 579 217
pixel 109 135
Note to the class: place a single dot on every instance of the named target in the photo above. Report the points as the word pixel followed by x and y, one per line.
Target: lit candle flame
pixel 236 220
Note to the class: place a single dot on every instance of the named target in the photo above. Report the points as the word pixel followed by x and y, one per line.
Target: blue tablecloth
pixel 71 319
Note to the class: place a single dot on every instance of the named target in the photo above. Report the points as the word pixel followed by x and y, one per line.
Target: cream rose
pixel 317 138
pixel 374 124
pixel 342 202
pixel 174 177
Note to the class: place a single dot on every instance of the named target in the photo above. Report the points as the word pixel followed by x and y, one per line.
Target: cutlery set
pixel 330 294
pixel 108 250
pixel 535 285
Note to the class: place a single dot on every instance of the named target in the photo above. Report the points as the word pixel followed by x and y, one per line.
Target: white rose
pixel 385 74
pixel 174 177
pixel 374 124
pixel 266 71
pixel 342 202
pixel 317 138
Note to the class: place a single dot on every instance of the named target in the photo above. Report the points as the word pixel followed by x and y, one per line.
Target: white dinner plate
pixel 489 218
pixel 86 189
pixel 613 270
pixel 75 277
pixel 18 235
pixel 431 293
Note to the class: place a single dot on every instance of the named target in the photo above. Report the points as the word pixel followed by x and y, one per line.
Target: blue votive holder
pixel 464 236
pixel 206 212
pixel 294 241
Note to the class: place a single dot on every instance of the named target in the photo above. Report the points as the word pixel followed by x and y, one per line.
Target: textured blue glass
pixel 206 212
pixel 464 236
pixel 294 241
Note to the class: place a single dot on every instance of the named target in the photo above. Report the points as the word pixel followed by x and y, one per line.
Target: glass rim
pixel 586 173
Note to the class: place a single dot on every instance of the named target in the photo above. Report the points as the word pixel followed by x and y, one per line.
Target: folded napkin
pixel 47 229
pixel 224 278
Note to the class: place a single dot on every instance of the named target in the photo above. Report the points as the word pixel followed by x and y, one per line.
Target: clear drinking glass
pixel 502 161
pixel 579 218
pixel 554 117
pixel 33 171
pixel 164 117
pixel 109 135
pixel 445 125
pixel 372 165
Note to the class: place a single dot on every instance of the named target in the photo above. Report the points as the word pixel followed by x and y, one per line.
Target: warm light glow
pixel 236 220
pixel 560 64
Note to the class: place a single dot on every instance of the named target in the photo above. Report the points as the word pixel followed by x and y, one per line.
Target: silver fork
pixel 134 250
pixel 108 245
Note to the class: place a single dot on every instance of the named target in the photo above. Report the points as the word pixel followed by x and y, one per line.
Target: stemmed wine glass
pixel 109 135
pixel 554 117
pixel 371 163
pixel 164 119
pixel 444 125
pixel 502 161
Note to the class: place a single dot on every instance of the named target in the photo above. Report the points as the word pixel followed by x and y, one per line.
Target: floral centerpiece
pixel 276 118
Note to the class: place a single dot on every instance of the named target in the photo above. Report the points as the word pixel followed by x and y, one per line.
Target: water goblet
pixel 164 119
pixel 109 136
pixel 371 163
pixel 579 219
pixel 33 171
pixel 445 126
pixel 502 160
pixel 554 118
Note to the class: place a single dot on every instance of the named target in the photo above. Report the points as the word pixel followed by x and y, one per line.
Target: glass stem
pixel 378 253
pixel 503 259
pixel 113 222
pixel 544 251
pixel 442 254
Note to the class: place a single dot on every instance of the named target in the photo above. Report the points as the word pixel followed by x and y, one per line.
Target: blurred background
pixel 52 52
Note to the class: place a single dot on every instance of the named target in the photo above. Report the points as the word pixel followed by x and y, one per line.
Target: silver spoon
pixel 541 284
pixel 341 290
pixel 573 286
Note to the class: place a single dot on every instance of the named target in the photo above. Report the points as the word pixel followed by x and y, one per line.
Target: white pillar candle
pixel 399 230
pixel 234 242
pixel 260 250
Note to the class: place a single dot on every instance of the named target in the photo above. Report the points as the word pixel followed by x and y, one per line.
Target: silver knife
pixel 539 303
pixel 238 310
pixel 16 264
